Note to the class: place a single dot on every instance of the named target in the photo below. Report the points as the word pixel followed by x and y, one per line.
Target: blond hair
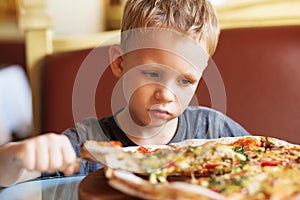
pixel 194 18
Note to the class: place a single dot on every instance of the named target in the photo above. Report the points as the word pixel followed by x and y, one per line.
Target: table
pixel 65 188
pixel 95 187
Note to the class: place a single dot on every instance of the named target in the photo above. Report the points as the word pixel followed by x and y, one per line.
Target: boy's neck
pixel 147 135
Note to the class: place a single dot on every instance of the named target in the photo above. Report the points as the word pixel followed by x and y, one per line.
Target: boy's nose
pixel 164 95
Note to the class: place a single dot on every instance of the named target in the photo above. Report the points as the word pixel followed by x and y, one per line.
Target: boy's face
pixel 158 85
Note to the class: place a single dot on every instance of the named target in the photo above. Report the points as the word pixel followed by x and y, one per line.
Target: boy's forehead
pixel 166 40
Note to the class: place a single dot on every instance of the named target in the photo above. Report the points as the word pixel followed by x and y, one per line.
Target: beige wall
pixel 73 17
pixel 245 13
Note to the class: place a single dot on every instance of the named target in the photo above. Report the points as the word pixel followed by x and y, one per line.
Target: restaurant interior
pixel 43 45
pixel 55 71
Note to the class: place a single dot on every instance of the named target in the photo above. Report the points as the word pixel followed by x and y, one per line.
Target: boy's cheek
pixel 184 95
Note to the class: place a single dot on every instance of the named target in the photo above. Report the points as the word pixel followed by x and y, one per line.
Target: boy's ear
pixel 116 60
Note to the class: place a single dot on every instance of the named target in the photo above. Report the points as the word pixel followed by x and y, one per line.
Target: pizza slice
pixel 163 161
pixel 251 167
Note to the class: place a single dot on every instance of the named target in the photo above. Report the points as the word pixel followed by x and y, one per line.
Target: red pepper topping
pixel 270 163
pixel 143 150
pixel 116 143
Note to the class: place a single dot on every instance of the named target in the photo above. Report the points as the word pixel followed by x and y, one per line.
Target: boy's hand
pixel 47 153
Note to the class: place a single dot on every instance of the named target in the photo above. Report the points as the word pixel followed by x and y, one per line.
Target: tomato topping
pixel 143 150
pixel 213 165
pixel 269 163
pixel 172 164
pixel 215 189
pixel 247 142
pixel 156 150
pixel 116 143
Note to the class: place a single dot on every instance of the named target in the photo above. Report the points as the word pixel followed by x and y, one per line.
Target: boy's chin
pixel 156 123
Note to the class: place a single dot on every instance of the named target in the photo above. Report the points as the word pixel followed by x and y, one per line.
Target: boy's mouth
pixel 158 113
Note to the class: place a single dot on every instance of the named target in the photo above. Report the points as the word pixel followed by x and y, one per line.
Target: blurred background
pixel 33 29
pixel 71 17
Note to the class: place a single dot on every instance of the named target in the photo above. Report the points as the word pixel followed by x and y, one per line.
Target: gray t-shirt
pixel 195 122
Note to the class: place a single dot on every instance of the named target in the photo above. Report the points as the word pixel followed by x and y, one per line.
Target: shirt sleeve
pixel 227 127
pixel 233 129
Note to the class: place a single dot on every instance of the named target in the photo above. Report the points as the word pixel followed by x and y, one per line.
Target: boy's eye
pixel 151 74
pixel 185 82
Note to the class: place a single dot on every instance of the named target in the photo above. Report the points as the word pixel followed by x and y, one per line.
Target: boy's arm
pixel 12 172
pixel 25 160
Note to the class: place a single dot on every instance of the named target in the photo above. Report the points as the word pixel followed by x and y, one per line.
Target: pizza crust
pixel 109 155
pixel 133 185
pixel 230 140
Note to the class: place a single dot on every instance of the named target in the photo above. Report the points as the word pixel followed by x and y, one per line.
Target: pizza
pixel 249 167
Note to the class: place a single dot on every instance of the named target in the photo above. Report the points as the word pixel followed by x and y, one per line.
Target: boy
pixel 164 50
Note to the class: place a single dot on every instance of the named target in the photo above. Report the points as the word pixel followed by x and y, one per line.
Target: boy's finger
pixel 25 156
pixel 42 154
pixel 71 168
pixel 68 153
pixel 55 159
